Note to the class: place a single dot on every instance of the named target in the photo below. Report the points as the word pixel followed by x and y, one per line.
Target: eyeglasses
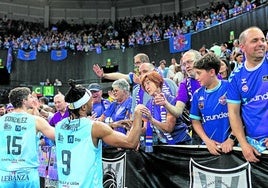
pixel 189 62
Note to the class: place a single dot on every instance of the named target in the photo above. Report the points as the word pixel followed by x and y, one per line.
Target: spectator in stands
pixel 235 48
pixel 225 52
pixel 99 103
pixel 216 49
pixel 162 68
pixel 87 151
pixel 57 82
pixel 247 96
pixel 131 77
pixel 152 28
pixel 238 61
pixel 236 10
pixel 171 69
pixel 142 97
pixel 2 109
pixel 9 108
pixel 225 69
pixel 161 126
pixel 200 24
pixel 47 82
pixel 120 109
pixel 179 76
pixel 203 50
pixel 214 132
pixel 186 89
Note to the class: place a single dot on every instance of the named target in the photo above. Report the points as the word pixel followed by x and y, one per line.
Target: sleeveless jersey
pixel 18 151
pixel 79 161
pixel 19 148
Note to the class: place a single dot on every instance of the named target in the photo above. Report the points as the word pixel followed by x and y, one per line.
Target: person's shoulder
pixel 266 58
pixel 199 90
pixel 170 82
pixel 225 84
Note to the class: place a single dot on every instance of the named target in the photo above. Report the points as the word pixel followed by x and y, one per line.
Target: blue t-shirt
pixel 249 88
pixel 210 107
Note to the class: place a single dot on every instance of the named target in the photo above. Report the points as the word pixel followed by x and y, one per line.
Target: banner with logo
pixel 58 55
pixel 114 171
pixel 180 43
pixel 202 176
pixel 27 56
pixel 188 166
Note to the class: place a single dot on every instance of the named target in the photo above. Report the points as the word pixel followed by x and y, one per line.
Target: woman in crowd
pixel 120 108
pixel 161 126
pixel 238 61
pixel 225 69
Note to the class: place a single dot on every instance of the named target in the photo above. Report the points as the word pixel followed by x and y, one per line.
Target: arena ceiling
pixel 88 3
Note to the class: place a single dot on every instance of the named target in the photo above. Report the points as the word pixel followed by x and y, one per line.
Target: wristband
pixel 232 137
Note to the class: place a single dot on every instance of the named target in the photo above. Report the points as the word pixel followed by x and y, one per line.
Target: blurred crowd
pixel 121 34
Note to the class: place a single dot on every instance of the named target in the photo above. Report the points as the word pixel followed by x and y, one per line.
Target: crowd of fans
pixel 121 34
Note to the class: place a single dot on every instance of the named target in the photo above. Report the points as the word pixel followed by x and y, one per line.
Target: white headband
pixel 80 102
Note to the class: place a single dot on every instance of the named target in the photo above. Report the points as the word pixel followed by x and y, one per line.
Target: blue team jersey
pixel 249 88
pixel 210 107
pixel 79 161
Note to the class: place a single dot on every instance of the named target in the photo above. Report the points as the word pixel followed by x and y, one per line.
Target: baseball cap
pixel 94 87
pixel 9 106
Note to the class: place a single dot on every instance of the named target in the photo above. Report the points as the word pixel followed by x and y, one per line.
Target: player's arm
pixel 44 127
pixel 115 138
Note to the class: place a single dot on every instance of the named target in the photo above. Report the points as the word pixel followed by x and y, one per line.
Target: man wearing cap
pixel 79 141
pixel 99 104
pixel 9 108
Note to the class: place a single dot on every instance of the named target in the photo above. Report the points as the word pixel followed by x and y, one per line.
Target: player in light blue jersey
pixel 19 142
pixel 209 112
pixel 79 141
pixel 247 95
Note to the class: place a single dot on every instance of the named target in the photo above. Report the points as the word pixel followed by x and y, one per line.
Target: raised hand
pixel 98 71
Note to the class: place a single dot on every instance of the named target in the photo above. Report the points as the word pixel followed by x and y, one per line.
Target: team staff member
pixel 19 142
